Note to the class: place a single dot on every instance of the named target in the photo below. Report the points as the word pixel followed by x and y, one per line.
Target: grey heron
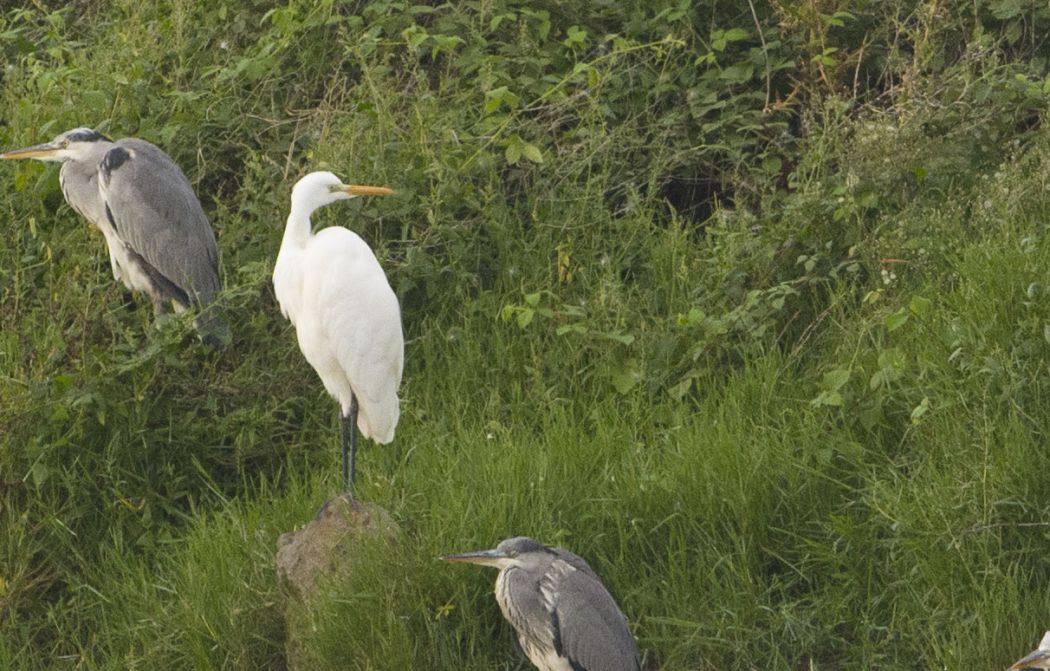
pixel 160 242
pixel 347 319
pixel 565 618
pixel 1037 659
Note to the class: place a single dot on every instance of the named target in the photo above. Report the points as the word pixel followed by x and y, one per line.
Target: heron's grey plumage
pixel 159 239
pixel 79 182
pixel 153 209
pixel 565 618
pixel 1037 659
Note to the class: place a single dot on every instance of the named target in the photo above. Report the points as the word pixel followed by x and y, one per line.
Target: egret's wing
pixel 152 206
pixel 362 321
pixel 592 632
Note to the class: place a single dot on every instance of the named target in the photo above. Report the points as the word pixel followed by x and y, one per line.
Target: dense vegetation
pixel 745 303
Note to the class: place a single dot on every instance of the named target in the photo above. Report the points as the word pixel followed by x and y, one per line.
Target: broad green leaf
pixel 735 35
pixel 625 338
pixel 1005 9
pixel 444 43
pixel 575 35
pixel 513 153
pixel 738 73
pixel 681 388
pixel 920 410
pixel 625 377
pixel 39 472
pixel 877 380
pixel 835 379
pixel 896 320
pixel 414 36
pixel 500 96
pixel 828 398
pixel 525 316
pixel 569 328
pixel 919 306
pixel 532 153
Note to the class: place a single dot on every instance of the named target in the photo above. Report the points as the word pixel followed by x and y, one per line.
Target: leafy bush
pixel 743 302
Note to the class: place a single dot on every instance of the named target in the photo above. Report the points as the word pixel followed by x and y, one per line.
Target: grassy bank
pixel 747 306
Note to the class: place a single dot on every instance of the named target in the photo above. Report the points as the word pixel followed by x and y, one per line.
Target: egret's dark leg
pixel 348 436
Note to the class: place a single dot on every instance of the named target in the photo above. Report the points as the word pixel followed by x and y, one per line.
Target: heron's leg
pixel 348 438
pixel 159 312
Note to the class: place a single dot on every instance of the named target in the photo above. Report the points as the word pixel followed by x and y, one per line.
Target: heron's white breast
pixel 550 661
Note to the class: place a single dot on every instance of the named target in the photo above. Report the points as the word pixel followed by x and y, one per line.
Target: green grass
pixel 762 334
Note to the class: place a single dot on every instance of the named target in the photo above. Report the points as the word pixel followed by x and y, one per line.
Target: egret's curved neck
pixel 298 229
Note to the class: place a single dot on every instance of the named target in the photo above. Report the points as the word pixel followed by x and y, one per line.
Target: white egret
pixel 347 319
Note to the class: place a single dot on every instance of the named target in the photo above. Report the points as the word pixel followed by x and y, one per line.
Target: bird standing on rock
pixel 565 618
pixel 347 319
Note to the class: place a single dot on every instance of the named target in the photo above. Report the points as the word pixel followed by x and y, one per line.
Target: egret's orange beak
pixel 359 190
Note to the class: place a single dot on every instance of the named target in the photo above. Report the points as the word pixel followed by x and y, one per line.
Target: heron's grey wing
pixel 155 212
pixel 530 611
pixel 592 632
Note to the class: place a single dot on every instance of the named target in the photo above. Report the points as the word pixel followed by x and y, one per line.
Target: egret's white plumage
pixel 347 319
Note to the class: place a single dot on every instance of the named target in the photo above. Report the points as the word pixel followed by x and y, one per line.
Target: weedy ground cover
pixel 747 305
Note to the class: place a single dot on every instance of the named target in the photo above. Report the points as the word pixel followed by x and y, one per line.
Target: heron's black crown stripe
pixel 86 135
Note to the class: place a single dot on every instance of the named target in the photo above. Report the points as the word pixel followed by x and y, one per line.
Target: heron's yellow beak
pixel 45 150
pixel 359 190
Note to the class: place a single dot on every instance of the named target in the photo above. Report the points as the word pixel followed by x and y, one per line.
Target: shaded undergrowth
pixel 746 305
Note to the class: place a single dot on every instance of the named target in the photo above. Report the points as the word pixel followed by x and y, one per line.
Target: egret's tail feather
pixel 379 420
